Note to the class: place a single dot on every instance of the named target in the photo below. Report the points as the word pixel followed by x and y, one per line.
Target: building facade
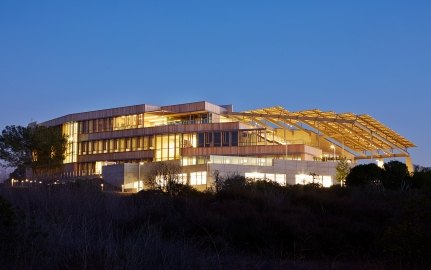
pixel 271 143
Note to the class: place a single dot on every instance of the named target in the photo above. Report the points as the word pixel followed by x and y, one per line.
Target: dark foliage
pixel 364 175
pixel 422 178
pixel 396 176
pixel 259 226
pixel 37 147
pixel 234 182
pixel 8 232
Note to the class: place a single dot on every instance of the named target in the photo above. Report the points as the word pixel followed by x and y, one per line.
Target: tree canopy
pixel 164 175
pixel 37 147
pixel 364 175
pixel 396 176
pixel 342 170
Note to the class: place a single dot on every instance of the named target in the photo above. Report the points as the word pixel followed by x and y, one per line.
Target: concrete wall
pixel 113 174
pixel 288 167
pixel 120 174
pixel 131 173
pixel 128 173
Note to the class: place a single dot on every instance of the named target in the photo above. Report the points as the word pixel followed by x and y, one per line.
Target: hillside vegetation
pixel 256 225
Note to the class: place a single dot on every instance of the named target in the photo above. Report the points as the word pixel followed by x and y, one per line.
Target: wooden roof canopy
pixel 361 135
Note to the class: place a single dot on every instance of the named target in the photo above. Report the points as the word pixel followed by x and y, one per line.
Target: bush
pixel 8 232
pixel 246 226
pixel 234 182
pixel 364 175
pixel 422 179
pixel 396 176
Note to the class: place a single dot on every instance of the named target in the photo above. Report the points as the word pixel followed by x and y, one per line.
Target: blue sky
pixel 373 57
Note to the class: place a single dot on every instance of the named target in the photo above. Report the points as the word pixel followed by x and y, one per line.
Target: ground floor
pixel 131 176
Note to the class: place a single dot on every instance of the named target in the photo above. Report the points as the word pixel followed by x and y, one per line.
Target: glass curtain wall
pixel 167 147
pixel 71 131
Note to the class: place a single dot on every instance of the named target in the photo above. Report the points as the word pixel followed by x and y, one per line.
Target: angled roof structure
pixel 361 135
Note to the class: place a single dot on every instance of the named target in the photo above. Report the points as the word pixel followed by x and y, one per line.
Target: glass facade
pixel 116 145
pixel 235 160
pixel 167 147
pixel 103 137
pixel 70 130
pixel 304 179
pixel 217 139
pixel 198 178
pixel 275 177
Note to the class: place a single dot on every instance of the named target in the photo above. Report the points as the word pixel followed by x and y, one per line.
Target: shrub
pixel 364 175
pixel 234 182
pixel 8 232
pixel 396 176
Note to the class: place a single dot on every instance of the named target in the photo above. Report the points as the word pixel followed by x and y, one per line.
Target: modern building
pixel 204 138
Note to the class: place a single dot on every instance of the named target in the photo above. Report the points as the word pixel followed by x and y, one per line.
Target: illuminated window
pixel 182 178
pixel 280 179
pixel 304 179
pixel 255 175
pixel 198 178
pixel 270 176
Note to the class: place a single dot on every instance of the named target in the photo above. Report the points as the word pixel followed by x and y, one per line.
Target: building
pixel 272 143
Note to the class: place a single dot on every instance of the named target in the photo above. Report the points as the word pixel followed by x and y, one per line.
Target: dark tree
pixel 422 178
pixel 163 175
pixel 48 150
pixel 364 175
pixel 16 146
pixel 235 182
pixel 396 176
pixel 37 147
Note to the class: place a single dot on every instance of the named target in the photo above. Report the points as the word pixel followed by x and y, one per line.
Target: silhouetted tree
pixel 364 175
pixel 218 181
pixel 163 175
pixel 396 176
pixel 234 182
pixel 40 148
pixel 422 177
pixel 8 233
pixel 16 146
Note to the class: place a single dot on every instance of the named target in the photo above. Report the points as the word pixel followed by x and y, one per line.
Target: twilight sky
pixel 373 57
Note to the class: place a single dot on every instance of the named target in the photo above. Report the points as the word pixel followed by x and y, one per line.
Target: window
pixel 145 143
pixel 198 178
pixel 217 139
pixel 122 144
pixel 182 178
pixel 105 146
pixel 255 176
pixel 135 144
pixel 225 138
pixel 234 138
pixel 90 126
pixel 208 139
pixel 100 125
pixel 280 179
pixel 303 179
pixel 95 125
pixel 201 139
pixel 95 146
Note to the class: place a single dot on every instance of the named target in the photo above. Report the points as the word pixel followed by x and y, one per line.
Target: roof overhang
pixel 361 135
